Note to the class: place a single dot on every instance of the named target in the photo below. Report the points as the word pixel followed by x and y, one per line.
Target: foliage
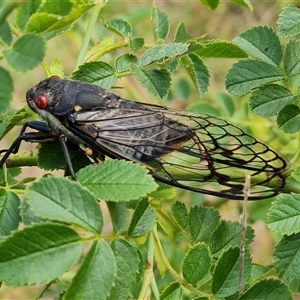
pixel 62 217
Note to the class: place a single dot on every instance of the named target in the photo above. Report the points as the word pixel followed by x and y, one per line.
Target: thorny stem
pixel 23 159
pixel 247 187
pixel 149 279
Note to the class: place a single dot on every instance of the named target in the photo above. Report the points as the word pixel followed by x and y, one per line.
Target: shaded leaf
pixel 95 276
pixel 118 26
pixel 226 275
pixel 197 71
pixel 269 99
pixel 291 58
pixel 287 257
pixel 289 118
pixel 64 200
pixel 26 53
pixel 160 23
pixel 9 212
pixel 96 72
pixel 289 21
pixel 143 219
pixel 117 180
pixel 55 247
pixel 246 75
pixel 196 263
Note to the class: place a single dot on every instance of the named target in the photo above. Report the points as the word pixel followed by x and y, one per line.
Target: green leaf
pixel 226 275
pixel 218 49
pixel 48 151
pixel 202 222
pixel 51 7
pixel 243 3
pixel 23 14
pixel 160 23
pixel 296 174
pixel 196 263
pixel 9 212
pixel 228 234
pixel 57 68
pixel 96 72
pixel 269 99
pixel 164 191
pixel 40 22
pixel 99 49
pixel 183 89
pixel 171 292
pixel 6 90
pixel 163 51
pixel 182 35
pixel 197 71
pixel 58 17
pixel 137 44
pixel 26 53
pixel 289 21
pixel 291 59
pixel 5 34
pixel 289 118
pixel 212 4
pixel 28 216
pixel 66 201
pixel 40 253
pixel 261 42
pixel 119 215
pixel 249 74
pixel 95 276
pixel 142 221
pixel 127 269
pixel 45 157
pixel 123 62
pixel 8 122
pixel 287 257
pixel 118 26
pixel 157 82
pixel 284 214
pixel 226 102
pixel 267 289
pixel 180 214
pixel 117 180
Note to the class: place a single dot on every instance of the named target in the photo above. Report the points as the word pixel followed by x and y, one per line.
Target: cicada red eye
pixel 41 101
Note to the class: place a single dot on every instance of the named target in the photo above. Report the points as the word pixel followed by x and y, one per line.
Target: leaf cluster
pixel 64 223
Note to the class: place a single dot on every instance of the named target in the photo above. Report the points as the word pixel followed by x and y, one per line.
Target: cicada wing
pixel 195 152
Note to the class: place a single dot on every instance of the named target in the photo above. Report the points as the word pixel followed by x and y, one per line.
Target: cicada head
pixel 47 95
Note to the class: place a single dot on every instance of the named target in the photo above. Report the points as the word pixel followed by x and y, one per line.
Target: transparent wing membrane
pixel 196 152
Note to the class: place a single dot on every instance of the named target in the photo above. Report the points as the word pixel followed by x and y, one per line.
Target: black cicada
pixel 192 151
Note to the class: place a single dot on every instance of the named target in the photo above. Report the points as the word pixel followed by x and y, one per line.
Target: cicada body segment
pixel 187 150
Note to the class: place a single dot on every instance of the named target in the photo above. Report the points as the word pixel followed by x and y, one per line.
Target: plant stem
pixel 172 272
pixel 145 292
pixel 24 159
pixel 87 36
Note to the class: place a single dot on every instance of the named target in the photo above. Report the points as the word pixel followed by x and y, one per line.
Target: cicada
pixel 192 151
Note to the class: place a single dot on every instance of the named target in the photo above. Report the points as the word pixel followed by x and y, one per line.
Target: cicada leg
pixel 43 135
